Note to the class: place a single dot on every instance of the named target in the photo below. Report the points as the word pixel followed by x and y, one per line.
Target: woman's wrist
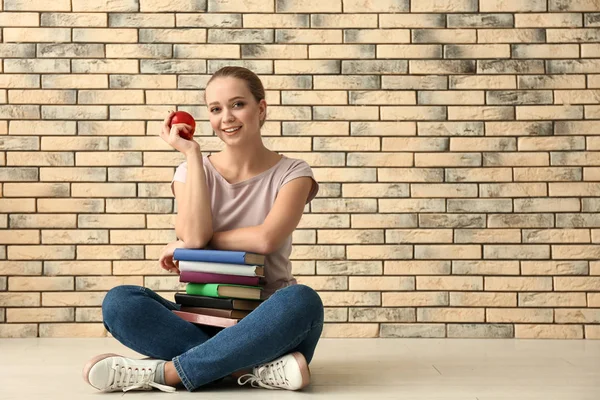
pixel 194 151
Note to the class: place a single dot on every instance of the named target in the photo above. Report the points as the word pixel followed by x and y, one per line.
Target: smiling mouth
pixel 232 131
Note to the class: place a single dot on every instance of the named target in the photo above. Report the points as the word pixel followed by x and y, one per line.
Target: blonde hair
pixel 252 80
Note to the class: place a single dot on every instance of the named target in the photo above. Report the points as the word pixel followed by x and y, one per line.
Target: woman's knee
pixel 116 300
pixel 307 298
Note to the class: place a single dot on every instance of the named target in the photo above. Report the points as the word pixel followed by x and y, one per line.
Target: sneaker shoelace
pixel 129 378
pixel 268 376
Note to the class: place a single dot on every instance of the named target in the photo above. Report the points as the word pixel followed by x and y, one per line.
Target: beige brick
pixel 592 332
pixel 449 283
pixel 573 35
pixel 74 81
pixel 411 175
pixel 438 6
pixel 473 299
pixel 111 97
pixel 486 235
pixel 512 189
pixel 519 315
pixel 369 252
pixel 510 36
pixel 379 36
pixel 516 251
pixel 143 81
pixel 350 236
pixel 324 221
pixel 384 6
pixel 375 190
pixel 411 205
pixel 513 159
pixel 480 205
pixel 36 35
pixel 575 251
pixel 550 20
pixel 350 298
pixel 382 314
pixel 315 251
pixel 478 174
pixel 382 97
pixel 341 51
pixel 511 6
pixel 19 299
pixel 40 315
pixel 481 113
pixel 523 331
pixel 442 66
pixel 37 66
pixel 346 113
pixel 419 236
pixel 477 51
pixel 382 283
pixel 552 82
pixel 41 220
pixel 413 299
pixel 511 66
pixel 552 300
pixel 581 315
pixel 112 35
pixel 308 67
pixel 102 252
pixel 88 315
pixel 32 5
pixel 417 267
pixel 350 330
pixel 18 330
pixel 19 81
pixel 44 283
pixel 556 236
pixel 106 282
pixel 105 66
pixel 173 5
pixel 33 189
pixel 274 20
pixel 206 20
pixel 73 299
pixel 573 189
pixel 547 174
pixel 520 221
pixel 546 205
pixel 518 128
pixel 451 97
pixel 576 283
pixel 408 51
pixel 344 82
pixel 308 36
pixel 419 113
pixel 480 331
pixel 454 314
pixel 19 19
pixel 20 268
pixel 306 97
pixel 443 190
pixel 138 51
pixel 572 5
pixel 19 237
pixel 384 221
pixel 413 330
pixel 593 299
pixel 447 160
pixel 14 50
pixel 44 128
pixel 77 267
pixel 349 267
pixel 344 20
pixel 79 329
pixel 74 112
pixel 518 284
pixel 483 82
pixel 412 20
pixel 123 20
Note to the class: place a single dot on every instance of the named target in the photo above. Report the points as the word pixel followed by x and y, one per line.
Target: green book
pixel 224 290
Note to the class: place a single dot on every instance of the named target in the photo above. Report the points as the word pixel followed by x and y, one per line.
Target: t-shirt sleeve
pixel 297 169
pixel 179 176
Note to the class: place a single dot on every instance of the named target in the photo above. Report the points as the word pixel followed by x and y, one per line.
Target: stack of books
pixel 222 286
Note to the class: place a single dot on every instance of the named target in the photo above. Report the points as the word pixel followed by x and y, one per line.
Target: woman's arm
pixel 193 223
pixel 281 222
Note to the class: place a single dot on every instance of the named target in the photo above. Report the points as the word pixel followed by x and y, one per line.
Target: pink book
pixel 206 319
pixel 205 277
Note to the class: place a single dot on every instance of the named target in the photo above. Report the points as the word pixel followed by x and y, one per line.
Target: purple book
pixel 205 277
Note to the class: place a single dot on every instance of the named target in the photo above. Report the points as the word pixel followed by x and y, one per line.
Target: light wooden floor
pixel 372 369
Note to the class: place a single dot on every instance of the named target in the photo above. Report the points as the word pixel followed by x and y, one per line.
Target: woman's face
pixel 231 105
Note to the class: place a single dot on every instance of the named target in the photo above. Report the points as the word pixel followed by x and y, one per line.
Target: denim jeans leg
pixel 143 321
pixel 291 319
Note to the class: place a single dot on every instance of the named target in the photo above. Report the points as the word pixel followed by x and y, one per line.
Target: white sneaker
pixel 288 372
pixel 112 372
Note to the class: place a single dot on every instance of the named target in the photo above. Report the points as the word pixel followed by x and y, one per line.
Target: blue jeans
pixel 290 320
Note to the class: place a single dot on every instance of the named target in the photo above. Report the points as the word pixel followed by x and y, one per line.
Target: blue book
pixel 219 256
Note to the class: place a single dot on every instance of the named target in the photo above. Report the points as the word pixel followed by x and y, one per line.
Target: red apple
pixel 181 117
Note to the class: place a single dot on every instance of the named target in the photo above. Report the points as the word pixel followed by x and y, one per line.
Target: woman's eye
pixel 239 102
pixel 213 109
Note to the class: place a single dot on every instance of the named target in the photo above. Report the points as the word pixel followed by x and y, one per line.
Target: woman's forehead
pixel 223 89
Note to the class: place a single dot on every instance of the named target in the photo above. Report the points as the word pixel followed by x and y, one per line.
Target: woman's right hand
pixel 166 257
pixel 172 136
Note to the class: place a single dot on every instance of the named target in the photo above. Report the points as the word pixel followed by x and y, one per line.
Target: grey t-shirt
pixel 248 203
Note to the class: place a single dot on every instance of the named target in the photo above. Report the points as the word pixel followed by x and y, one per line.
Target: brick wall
pixel 457 144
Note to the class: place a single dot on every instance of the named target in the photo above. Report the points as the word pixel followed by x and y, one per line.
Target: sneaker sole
pixel 304 370
pixel 87 368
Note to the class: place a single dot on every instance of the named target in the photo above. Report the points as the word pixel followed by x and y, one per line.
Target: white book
pixel 221 268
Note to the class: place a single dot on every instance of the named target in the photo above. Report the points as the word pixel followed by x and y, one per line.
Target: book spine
pixel 206 319
pixel 218 256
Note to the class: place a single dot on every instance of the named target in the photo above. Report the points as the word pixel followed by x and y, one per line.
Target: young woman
pixel 244 198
